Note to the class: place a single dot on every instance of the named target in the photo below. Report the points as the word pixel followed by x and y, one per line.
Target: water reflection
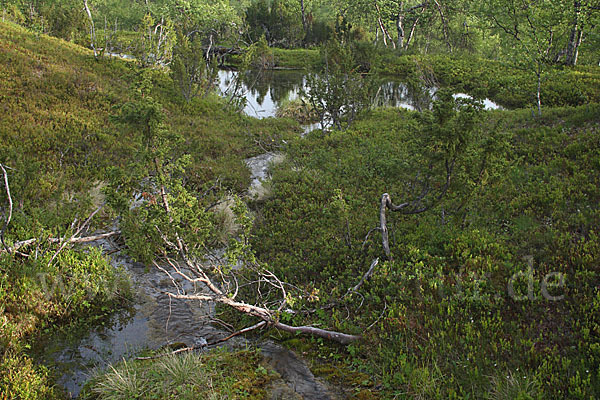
pixel 264 93
pixel 398 94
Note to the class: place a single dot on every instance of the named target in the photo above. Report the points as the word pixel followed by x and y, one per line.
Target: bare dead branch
pixel 92 238
pixel 266 315
pixel 224 324
pixel 63 242
pixel 72 240
pixel 10 208
pixel 367 236
pixel 341 338
pixel 385 198
pixel 380 316
pixel 365 277
pixel 191 348
pixel 173 281
pixel 240 332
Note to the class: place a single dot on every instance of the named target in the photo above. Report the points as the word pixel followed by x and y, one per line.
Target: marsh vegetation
pixel 189 229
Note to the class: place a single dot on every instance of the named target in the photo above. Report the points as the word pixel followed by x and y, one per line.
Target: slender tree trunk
pixel 400 29
pixel 577 44
pixel 412 32
pixel 574 37
pixel 383 29
pixel 385 198
pixel 304 23
pixel 10 208
pixel 539 88
pixel 400 26
pixel 92 30
pixel 571 46
pixel 444 25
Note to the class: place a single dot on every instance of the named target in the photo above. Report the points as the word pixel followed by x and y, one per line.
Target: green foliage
pixel 192 74
pixel 339 93
pixel 440 320
pixel 320 31
pixel 171 213
pixel 259 56
pixel 125 14
pixel 156 41
pixel 213 21
pixel 257 18
pixel 279 21
pixel 56 135
pixel 296 58
pixel 65 19
pixel 80 287
pixel 20 379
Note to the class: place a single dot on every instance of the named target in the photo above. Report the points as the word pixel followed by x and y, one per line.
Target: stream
pixel 155 320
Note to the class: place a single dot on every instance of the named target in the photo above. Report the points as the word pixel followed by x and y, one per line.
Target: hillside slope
pixel 58 141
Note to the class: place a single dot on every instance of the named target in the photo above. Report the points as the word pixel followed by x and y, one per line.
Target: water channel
pixel 155 321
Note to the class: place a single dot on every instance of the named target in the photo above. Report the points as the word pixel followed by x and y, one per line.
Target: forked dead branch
pixel 226 291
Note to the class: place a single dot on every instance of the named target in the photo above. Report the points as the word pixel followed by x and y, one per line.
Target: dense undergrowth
pixel 78 289
pixel 59 139
pixel 491 293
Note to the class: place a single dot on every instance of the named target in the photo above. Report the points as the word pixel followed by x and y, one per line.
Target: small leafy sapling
pixel 168 212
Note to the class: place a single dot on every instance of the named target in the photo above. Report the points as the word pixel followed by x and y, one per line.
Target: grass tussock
pixel 219 374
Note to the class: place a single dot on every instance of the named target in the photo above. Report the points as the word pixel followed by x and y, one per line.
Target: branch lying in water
pixel 213 292
pixel 267 317
pixel 191 348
